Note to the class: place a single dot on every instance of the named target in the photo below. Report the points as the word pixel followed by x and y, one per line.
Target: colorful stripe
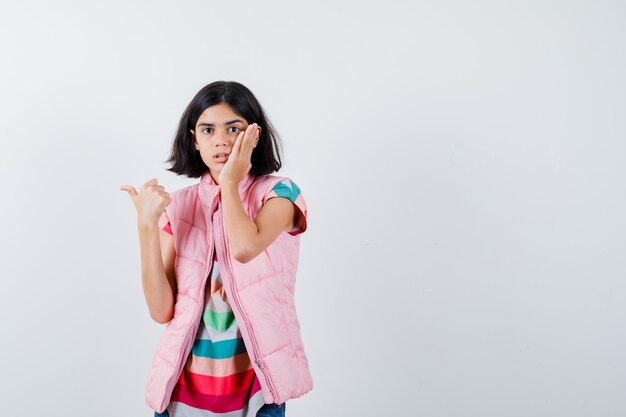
pixel 218 378
pixel 290 190
pixel 249 410
pixel 218 350
pixel 223 403
pixel 219 321
pixel 218 385
pixel 220 367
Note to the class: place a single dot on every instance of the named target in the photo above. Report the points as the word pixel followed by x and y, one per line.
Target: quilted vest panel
pixel 261 294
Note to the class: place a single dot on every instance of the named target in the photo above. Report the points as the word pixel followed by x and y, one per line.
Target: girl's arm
pixel 248 237
pixel 157 271
pixel 157 249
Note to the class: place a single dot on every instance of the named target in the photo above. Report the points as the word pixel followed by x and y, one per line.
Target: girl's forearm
pixel 240 229
pixel 156 287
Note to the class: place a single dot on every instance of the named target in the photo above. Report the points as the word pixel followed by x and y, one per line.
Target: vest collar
pixel 209 190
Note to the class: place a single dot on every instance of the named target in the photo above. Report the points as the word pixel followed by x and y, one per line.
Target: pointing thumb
pixel 130 189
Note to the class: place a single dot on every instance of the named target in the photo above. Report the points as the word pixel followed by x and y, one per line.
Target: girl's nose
pixel 223 139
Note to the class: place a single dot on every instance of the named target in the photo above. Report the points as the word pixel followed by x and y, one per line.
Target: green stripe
pixel 219 321
pixel 218 350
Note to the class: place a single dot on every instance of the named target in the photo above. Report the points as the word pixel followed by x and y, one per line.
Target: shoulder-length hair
pixel 184 157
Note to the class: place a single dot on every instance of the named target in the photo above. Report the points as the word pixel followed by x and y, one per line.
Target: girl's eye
pixel 209 129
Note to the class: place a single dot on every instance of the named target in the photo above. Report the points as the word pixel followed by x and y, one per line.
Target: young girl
pixel 218 265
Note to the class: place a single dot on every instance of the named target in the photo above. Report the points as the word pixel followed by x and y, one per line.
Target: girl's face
pixel 215 133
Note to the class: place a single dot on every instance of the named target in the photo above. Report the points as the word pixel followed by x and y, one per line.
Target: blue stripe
pixel 283 190
pixel 218 350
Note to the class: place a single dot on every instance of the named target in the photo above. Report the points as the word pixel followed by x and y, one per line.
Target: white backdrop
pixel 463 164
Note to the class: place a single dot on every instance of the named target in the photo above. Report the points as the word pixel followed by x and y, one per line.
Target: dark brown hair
pixel 184 157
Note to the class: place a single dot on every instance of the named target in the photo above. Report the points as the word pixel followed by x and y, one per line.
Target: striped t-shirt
pixel 218 378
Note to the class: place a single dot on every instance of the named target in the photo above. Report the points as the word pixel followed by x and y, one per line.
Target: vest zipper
pixel 226 262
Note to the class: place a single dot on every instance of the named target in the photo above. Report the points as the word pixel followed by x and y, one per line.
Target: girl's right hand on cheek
pixel 150 201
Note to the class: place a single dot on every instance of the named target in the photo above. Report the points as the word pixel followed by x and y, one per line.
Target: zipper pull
pixel 258 362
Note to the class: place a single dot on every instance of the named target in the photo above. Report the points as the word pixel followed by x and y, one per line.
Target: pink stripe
pixel 217 385
pixel 215 403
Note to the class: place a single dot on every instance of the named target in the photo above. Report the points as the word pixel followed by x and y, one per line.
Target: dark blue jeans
pixel 272 410
pixel 268 410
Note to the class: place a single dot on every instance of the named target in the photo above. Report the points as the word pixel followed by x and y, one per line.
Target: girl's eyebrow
pixel 225 124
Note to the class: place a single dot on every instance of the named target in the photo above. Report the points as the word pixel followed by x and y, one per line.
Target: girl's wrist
pixel 145 224
pixel 228 183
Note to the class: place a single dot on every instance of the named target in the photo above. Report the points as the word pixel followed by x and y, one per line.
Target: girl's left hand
pixel 238 164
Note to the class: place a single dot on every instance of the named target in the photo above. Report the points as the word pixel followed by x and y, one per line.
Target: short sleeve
pixel 288 189
pixel 164 223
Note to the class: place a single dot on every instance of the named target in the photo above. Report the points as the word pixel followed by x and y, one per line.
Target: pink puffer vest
pixel 261 293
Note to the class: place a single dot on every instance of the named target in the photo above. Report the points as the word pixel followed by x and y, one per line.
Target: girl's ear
pixel 195 142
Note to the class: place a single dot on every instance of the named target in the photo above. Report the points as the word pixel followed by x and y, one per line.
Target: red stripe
pixel 217 385
pixel 215 403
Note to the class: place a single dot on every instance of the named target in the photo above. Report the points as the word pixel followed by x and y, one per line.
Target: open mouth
pixel 222 157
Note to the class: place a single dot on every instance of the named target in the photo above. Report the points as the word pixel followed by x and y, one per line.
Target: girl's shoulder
pixel 281 186
pixel 277 186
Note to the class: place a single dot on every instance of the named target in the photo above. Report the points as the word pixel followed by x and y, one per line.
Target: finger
pixel 152 181
pixel 254 133
pixel 258 136
pixel 250 136
pixel 252 141
pixel 247 151
pixel 237 145
pixel 130 189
